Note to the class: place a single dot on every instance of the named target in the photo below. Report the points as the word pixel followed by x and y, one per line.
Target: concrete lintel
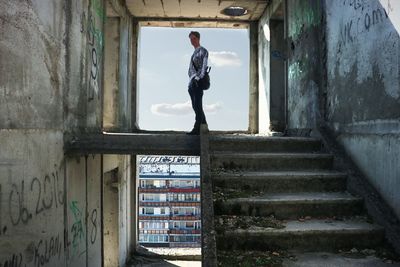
pixel 134 144
pixel 193 22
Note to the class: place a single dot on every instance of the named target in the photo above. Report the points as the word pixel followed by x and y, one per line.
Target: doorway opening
pixel 164 57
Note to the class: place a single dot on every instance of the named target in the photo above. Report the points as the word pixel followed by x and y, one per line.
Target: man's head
pixel 194 38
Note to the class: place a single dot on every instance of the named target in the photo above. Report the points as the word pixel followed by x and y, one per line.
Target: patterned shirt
pixel 200 59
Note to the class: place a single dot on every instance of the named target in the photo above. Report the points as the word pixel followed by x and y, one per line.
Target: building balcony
pixel 184 244
pixel 153 217
pixel 153 190
pixel 154 231
pixel 153 204
pixel 186 217
pixel 185 203
pixel 185 231
pixel 184 190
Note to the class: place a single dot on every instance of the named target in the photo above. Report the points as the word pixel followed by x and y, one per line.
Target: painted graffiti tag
pixel 95 39
pixel 3 228
pixel 47 194
pixel 93 233
pixel 17 206
pixel 366 18
pixel 47 249
pixel 14 260
pixel 77 229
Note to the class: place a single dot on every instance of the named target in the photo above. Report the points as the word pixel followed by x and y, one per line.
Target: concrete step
pixel 263 143
pixel 275 182
pixel 312 235
pixel 271 161
pixel 292 205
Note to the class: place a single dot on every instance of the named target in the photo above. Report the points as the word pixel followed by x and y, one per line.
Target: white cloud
pixel 182 109
pixel 224 58
pixel 212 108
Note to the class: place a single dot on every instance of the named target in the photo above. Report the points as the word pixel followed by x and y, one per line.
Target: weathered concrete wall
pixel 50 84
pixel 344 70
pixel 363 92
pixel 31 137
pixel 305 74
pixel 32 64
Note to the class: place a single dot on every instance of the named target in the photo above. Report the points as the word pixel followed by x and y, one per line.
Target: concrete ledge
pixel 135 143
pixel 282 181
pixel 292 206
pixel 313 235
pixel 271 161
pixel 229 142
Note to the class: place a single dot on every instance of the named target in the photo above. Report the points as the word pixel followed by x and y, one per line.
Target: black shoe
pixel 194 132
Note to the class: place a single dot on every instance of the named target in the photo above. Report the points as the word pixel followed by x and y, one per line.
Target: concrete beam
pixel 138 143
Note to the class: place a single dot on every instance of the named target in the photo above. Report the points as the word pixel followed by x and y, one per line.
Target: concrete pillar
pixel 134 73
pixel 110 210
pixel 277 76
pixel 133 189
pixel 93 210
pixel 111 77
pixel 124 63
pixel 253 86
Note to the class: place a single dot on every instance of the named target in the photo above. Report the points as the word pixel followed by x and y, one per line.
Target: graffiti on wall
pixel 368 14
pixel 92 26
pixel 44 250
pixel 47 249
pixel 29 198
pixel 22 201
pixel 75 238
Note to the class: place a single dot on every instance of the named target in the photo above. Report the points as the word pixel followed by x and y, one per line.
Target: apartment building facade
pixel 169 201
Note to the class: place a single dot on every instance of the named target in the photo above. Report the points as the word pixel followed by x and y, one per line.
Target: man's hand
pixel 195 82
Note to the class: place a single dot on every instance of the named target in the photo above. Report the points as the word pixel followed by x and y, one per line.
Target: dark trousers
pixel 196 95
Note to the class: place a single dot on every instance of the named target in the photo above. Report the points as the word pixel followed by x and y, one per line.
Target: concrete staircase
pixel 290 184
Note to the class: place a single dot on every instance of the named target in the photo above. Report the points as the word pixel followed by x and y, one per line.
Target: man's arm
pixel 204 66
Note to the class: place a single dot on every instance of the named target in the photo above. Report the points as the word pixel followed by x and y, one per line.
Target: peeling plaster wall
pixel 363 93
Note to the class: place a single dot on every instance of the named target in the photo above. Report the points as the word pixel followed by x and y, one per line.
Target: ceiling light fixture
pixel 235 11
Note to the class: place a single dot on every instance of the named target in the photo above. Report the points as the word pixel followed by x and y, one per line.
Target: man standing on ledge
pixel 197 70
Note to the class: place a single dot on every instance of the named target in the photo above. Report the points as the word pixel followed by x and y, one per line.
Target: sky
pixel 164 57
